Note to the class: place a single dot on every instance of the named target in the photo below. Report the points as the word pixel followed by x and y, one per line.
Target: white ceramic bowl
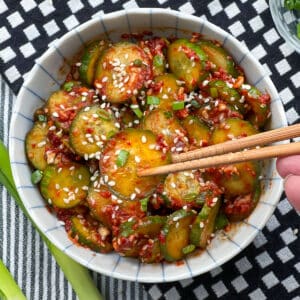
pixel 46 77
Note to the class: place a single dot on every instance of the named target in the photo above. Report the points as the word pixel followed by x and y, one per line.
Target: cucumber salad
pixel 130 105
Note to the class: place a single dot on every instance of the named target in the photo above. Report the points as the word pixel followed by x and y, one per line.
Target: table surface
pixel 268 268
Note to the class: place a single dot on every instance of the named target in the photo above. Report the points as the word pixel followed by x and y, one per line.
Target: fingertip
pixel 292 190
pixel 288 165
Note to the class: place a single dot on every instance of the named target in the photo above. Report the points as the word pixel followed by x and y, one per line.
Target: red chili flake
pixel 183 113
pixel 191 54
pixel 105 194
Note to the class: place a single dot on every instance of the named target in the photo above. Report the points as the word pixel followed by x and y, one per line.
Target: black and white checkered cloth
pixel 267 269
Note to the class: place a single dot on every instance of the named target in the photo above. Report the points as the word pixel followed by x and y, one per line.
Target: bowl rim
pixel 293 42
pixel 165 12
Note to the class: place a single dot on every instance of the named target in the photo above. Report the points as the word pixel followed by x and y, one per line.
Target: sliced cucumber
pixel 239 179
pixel 219 89
pixel 89 61
pixel 150 252
pixel 240 207
pixel 219 56
pixel 35 143
pixel 232 128
pixel 260 105
pixel 186 62
pixel 204 224
pixel 167 90
pixel 198 132
pixel 62 108
pixel 97 201
pixel 163 123
pixel 175 234
pixel 122 71
pixel 95 237
pixel 90 129
pixel 124 180
pixel 65 185
pixel 181 189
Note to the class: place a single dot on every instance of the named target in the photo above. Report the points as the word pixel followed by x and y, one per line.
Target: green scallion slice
pixel 68 86
pixel 144 204
pixel 153 100
pixel 178 105
pixel 135 108
pixel 188 249
pixel 195 104
pixel 36 176
pixel 122 158
pixel 137 62
pixel 158 61
pixel 42 118
pixel 298 30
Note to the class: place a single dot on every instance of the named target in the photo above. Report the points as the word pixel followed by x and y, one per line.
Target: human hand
pixel 289 168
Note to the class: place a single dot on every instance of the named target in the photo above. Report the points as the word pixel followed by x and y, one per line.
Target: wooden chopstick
pixel 229 158
pixel 259 139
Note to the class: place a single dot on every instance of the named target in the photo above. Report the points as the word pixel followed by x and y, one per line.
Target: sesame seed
pixel 104 79
pixel 86 156
pixel 41 144
pixel 132 196
pixel 57 186
pixel 152 146
pixel 55 114
pixel 52 128
pixel 214 200
pixel 59 170
pixel 173 185
pixel 201 225
pixel 137 159
pixel 111 183
pixel 144 139
pixel 137 190
pixel 85 188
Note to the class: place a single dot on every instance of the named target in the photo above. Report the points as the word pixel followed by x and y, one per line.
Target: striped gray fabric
pixel 27 257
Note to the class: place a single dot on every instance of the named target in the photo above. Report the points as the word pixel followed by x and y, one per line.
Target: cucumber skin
pixel 89 61
pixel 180 214
pixel 207 215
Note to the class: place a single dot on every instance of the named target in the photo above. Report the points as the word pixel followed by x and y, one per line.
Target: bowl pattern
pixel 47 76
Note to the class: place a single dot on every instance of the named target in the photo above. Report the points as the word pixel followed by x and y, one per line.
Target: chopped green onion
pixel 110 133
pixel 126 228
pixel 135 108
pixel 188 249
pixel 195 104
pixel 103 114
pixel 36 176
pixel 144 204
pixel 122 158
pixel 298 30
pixel 213 92
pixel 137 62
pixel 42 118
pixel 178 105
pixel 158 61
pixel 68 86
pixel 153 100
